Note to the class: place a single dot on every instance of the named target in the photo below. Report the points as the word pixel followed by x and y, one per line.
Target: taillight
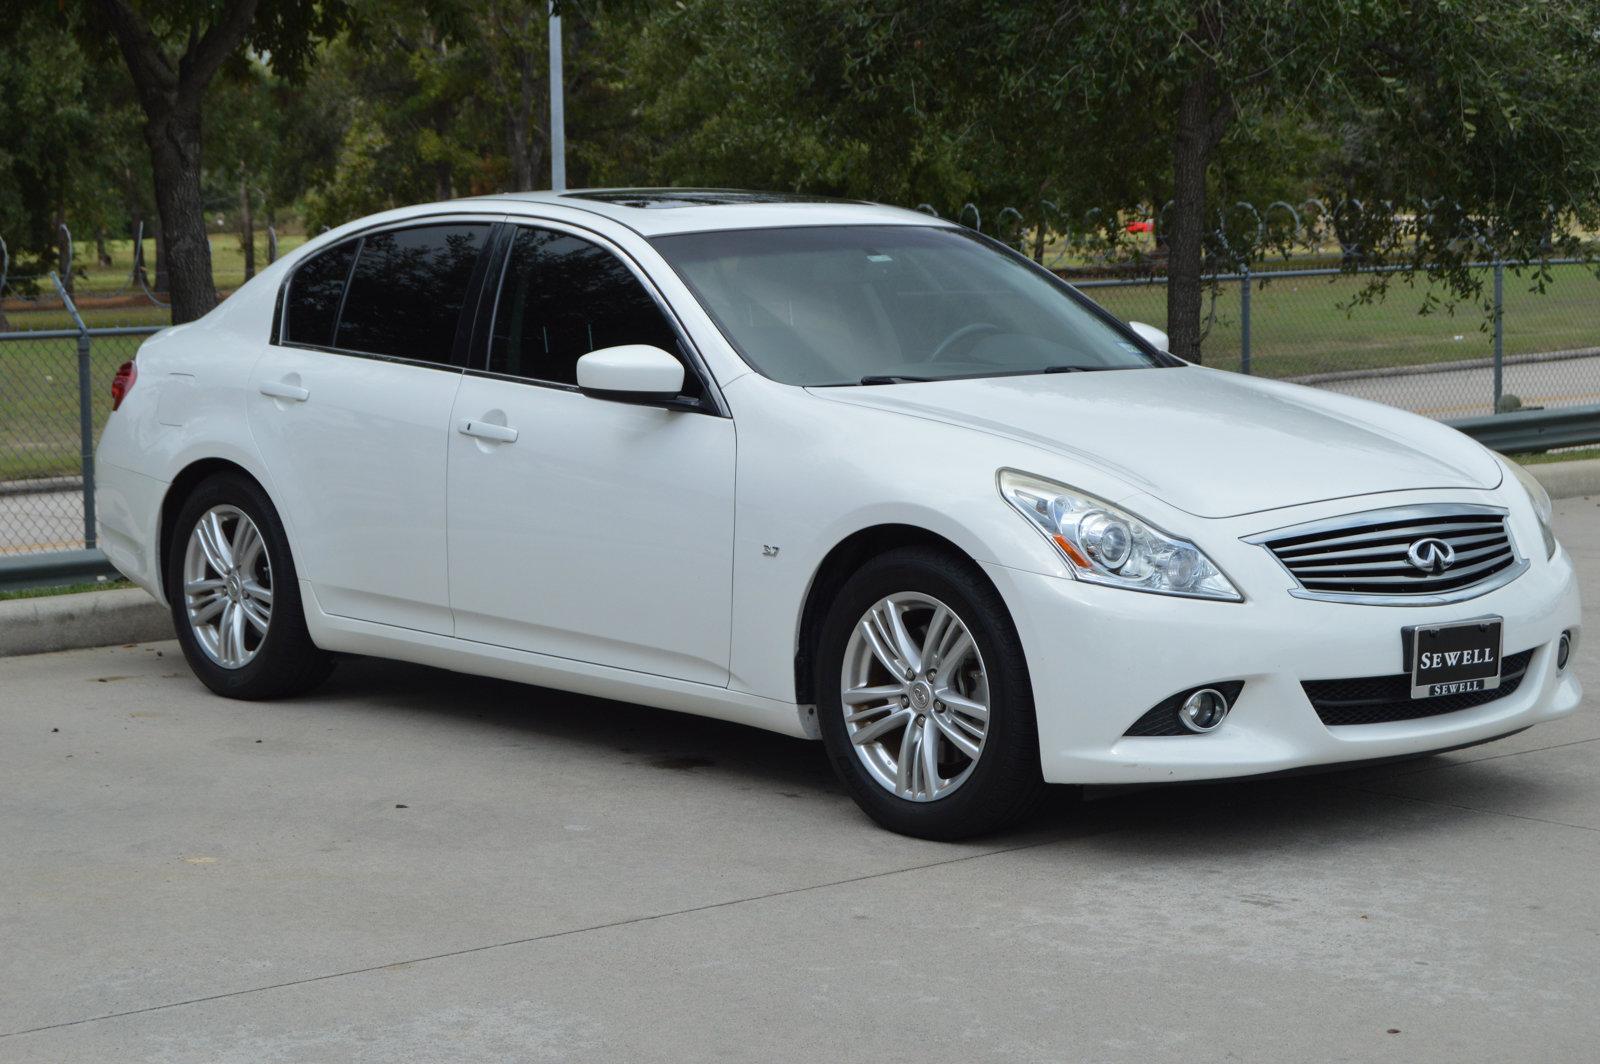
pixel 122 383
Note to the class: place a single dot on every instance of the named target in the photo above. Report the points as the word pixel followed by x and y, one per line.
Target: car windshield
pixel 882 304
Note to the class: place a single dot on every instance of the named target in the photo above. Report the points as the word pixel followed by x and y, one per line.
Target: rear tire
pixel 904 745
pixel 235 596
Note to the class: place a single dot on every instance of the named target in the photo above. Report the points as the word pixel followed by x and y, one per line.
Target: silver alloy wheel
pixel 227 586
pixel 915 696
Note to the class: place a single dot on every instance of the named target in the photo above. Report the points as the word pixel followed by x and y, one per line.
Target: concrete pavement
pixel 413 865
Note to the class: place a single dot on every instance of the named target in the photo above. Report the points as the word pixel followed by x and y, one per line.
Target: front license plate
pixel 1453 659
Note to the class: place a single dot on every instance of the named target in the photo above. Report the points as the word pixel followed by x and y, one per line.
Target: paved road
pixel 418 866
pixel 1457 393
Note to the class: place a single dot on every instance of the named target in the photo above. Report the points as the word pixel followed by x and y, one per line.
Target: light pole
pixel 558 117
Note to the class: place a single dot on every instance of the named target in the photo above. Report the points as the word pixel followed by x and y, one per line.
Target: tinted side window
pixel 407 291
pixel 563 297
pixel 314 295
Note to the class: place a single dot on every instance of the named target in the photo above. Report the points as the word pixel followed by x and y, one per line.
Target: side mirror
pixel 1150 335
pixel 631 373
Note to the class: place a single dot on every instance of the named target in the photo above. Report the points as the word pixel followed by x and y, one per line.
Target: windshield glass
pixel 859 304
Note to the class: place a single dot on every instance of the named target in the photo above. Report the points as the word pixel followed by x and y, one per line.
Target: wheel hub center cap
pixel 235 586
pixel 921 695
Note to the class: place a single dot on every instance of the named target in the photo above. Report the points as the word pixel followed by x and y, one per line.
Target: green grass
pixel 1300 326
pixel 1558 456
pixel 39 423
pixel 227 261
pixel 65 589
pixel 110 285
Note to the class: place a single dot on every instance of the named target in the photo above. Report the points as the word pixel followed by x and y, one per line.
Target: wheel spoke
pixel 956 736
pixel 881 646
pixel 258 617
pixel 877 728
pixel 905 778
pixel 963 705
pixel 957 651
pixel 246 546
pixel 904 644
pixel 213 543
pixel 857 695
pixel 194 587
pixel 261 594
pixel 938 625
pixel 207 610
pixel 928 747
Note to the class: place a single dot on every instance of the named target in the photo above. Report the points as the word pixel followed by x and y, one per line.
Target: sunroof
pixel 658 198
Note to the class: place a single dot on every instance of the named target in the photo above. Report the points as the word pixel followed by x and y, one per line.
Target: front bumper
pixel 1100 657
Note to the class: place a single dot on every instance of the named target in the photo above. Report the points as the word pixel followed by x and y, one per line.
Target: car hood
pixel 1211 443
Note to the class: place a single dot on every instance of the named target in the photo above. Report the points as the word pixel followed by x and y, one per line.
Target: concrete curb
pixel 89 619
pixel 1567 480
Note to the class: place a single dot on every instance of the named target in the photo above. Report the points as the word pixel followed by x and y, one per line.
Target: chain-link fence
pixel 55 394
pixel 1527 349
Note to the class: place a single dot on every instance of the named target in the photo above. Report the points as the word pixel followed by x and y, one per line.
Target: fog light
pixel 1563 650
pixel 1203 710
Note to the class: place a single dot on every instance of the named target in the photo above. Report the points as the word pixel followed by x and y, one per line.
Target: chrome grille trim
pixel 1361 557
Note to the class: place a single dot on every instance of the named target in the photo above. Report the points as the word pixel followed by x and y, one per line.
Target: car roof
pixel 660 211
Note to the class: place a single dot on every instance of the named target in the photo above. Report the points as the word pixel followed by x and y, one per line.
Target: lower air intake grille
pixel 1379 699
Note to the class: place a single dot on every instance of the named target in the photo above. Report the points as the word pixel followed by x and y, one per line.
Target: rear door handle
pixel 283 390
pixel 487 430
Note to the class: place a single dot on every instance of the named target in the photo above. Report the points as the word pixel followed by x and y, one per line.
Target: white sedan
pixel 833 469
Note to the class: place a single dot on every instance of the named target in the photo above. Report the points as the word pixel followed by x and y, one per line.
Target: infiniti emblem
pixel 1431 555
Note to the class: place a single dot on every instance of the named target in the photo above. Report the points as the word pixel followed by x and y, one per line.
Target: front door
pixel 584 528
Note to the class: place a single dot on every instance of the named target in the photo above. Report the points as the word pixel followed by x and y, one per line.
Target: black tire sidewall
pixel 1006 782
pixel 282 651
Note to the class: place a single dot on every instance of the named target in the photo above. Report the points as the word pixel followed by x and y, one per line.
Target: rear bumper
pixel 128 510
pixel 1099 658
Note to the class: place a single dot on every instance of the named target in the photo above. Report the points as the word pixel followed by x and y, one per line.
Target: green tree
pixel 57 162
pixel 174 50
pixel 1483 108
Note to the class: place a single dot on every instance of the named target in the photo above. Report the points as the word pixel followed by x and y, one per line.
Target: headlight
pixel 1107 545
pixel 1541 503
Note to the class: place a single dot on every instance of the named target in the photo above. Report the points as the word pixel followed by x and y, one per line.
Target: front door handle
pixel 487 430
pixel 284 390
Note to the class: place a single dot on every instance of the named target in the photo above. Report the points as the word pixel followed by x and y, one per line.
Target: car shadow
pixel 1232 815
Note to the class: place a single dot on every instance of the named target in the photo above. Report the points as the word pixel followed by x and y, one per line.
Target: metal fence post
pixel 1499 333
pixel 85 412
pixel 1244 321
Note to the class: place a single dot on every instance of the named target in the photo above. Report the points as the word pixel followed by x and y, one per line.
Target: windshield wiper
pixel 892 378
pixel 1065 369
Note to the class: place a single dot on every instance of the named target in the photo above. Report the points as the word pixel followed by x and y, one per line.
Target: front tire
pixel 234 595
pixel 924 699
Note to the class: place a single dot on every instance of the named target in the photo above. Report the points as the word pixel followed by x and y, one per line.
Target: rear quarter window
pixel 312 308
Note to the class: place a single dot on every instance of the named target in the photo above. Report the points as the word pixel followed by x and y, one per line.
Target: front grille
pixel 1364 557
pixel 1378 699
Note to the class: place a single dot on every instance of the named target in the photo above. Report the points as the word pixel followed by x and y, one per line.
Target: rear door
pixel 351 408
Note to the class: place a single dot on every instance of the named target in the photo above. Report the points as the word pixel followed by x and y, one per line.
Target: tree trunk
pixel 174 139
pixel 170 89
pixel 1185 240
pixel 247 228
pixel 1204 110
pixel 102 254
pixel 159 274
